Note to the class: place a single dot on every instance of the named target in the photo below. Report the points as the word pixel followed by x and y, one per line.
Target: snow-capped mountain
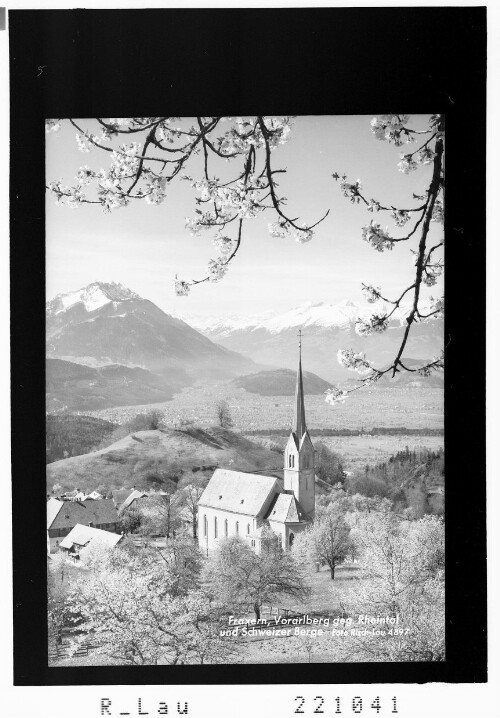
pixel 92 297
pixel 319 315
pixel 272 339
pixel 106 323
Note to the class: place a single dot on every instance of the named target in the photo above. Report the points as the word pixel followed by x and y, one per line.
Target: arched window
pixel 248 529
pixel 225 528
pixel 205 525
pixel 237 528
pixel 215 527
pixel 290 540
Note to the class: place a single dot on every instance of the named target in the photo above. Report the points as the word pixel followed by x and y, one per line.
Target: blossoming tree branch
pixel 430 150
pixel 147 153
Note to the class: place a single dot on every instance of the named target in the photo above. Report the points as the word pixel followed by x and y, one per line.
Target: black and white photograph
pixel 255 372
pixel 245 450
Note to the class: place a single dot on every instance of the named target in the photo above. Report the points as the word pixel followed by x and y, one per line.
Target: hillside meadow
pixel 416 409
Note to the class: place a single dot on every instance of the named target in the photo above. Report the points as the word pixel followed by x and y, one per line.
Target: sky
pixel 144 246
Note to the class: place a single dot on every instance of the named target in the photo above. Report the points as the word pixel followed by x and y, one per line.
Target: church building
pixel 243 504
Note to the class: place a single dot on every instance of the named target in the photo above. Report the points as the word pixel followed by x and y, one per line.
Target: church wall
pixel 208 541
pixel 284 530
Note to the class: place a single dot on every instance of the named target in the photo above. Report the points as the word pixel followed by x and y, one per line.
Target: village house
pixel 62 516
pixel 82 536
pixel 246 505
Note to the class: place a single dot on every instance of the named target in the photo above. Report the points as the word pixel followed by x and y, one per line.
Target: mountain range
pixel 107 346
pixel 106 324
pixel 272 339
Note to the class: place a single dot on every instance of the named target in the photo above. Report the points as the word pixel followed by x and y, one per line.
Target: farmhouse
pixel 243 504
pixel 62 516
pixel 81 536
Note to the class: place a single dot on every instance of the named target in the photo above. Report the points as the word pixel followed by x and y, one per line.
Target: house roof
pixel 238 492
pixel 82 512
pixel 53 508
pixel 119 495
pixel 286 509
pixel 132 497
pixel 81 535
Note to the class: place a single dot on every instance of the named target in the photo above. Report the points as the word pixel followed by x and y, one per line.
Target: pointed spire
pixel 300 412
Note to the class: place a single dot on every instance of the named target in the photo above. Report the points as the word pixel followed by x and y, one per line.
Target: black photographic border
pixel 87 63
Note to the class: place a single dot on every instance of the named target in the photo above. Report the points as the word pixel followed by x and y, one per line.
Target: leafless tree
pixel 223 414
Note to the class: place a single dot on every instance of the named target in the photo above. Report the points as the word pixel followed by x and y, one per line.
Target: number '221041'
pixel 317 705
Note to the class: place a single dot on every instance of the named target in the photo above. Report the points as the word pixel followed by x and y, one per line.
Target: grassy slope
pixel 173 453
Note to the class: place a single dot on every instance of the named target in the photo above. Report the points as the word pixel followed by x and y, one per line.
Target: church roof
pixel 238 492
pixel 286 509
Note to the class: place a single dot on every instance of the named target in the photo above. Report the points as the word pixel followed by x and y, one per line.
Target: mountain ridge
pixel 272 340
pixel 107 323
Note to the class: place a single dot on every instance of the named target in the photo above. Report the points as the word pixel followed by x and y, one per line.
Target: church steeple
pixel 298 475
pixel 300 411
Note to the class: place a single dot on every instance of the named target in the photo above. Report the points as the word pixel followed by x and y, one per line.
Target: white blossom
pixel 303 235
pixel 432 272
pixel 377 237
pixel 376 323
pixel 371 294
pixel 354 361
pixel 52 126
pixel 400 216
pixel 181 288
pixel 438 212
pixel 120 121
pixel 424 156
pixel 351 190
pixel 125 162
pixel 216 270
pixel 279 229
pixel 335 395
pixel 437 306
pixel 193 226
pixel 390 128
pixel 59 190
pixel 75 197
pixel 373 206
pixel 224 244
pixel 156 190
pixel 407 164
pixel 85 175
pixel 83 142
